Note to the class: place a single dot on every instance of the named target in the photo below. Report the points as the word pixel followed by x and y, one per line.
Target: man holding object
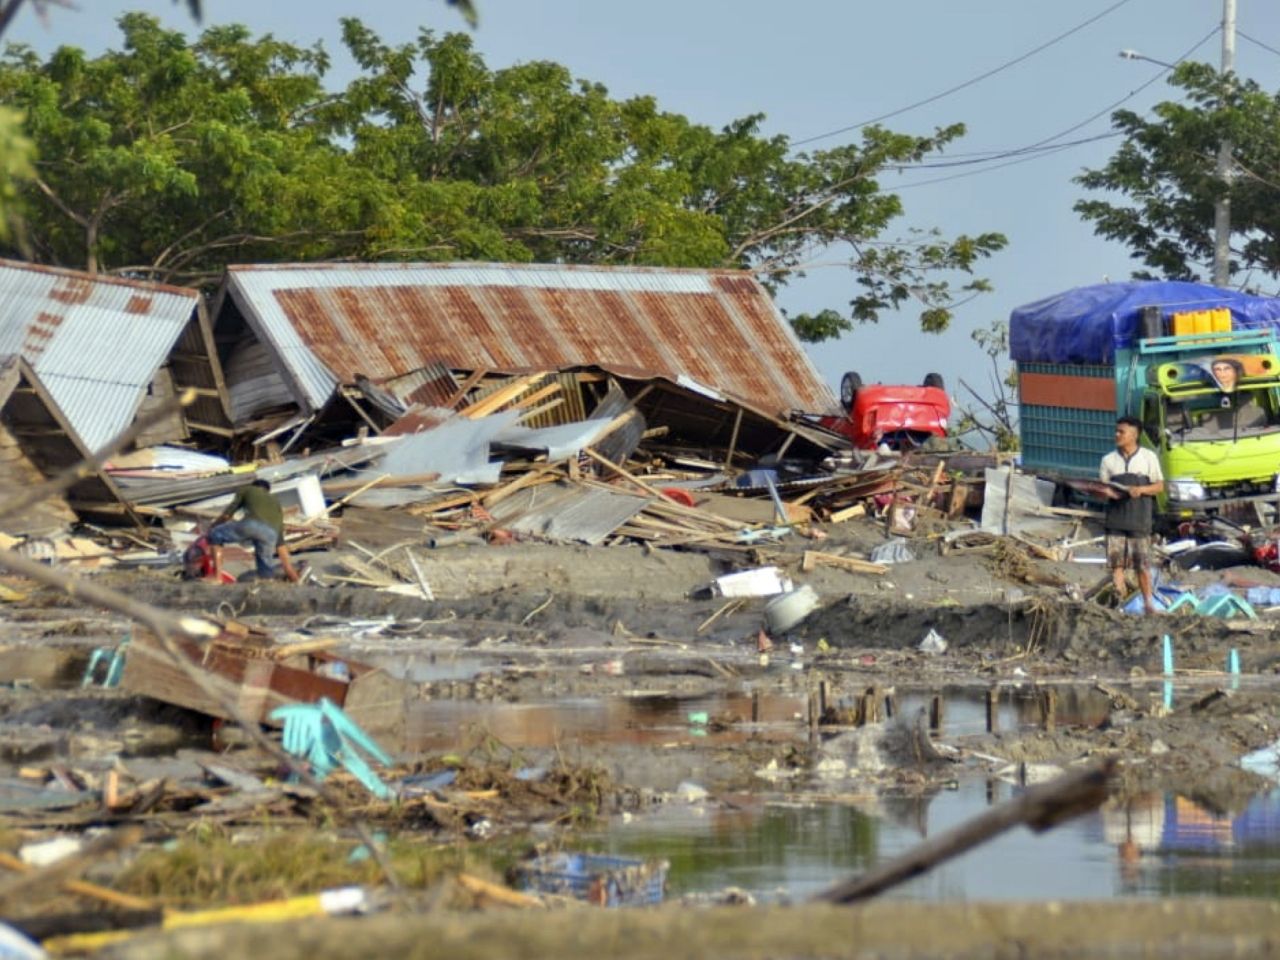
pixel 1129 518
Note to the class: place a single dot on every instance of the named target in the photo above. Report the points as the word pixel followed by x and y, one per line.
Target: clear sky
pixel 827 64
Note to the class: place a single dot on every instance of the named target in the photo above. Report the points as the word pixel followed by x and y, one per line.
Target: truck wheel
pixel 934 380
pixel 849 385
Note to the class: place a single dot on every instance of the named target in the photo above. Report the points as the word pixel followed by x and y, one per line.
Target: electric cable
pixel 1047 146
pixel 1241 33
pixel 970 82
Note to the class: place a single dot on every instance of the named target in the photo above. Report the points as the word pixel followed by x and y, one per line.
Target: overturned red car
pixel 898 417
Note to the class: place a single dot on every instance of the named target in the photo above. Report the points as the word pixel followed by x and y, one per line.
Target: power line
pixel 1008 163
pixel 968 83
pixel 1031 149
pixel 1047 146
pixel 1241 33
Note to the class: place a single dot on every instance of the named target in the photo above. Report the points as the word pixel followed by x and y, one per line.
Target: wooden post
pixel 815 712
pixel 824 693
pixel 733 439
pixel 1008 500
pixel 936 708
pixel 993 709
pixel 869 707
pixel 755 706
pixel 890 703
pixel 786 444
pixel 1049 709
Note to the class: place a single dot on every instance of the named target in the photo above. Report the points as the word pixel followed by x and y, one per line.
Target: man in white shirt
pixel 1129 519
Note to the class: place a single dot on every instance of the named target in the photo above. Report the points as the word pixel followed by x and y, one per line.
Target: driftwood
pixel 1040 808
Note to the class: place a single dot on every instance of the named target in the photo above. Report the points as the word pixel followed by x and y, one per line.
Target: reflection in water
pixel 651 719
pixel 1175 846
pixel 442 724
pixel 1153 845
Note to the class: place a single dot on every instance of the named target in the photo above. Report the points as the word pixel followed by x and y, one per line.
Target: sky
pixel 829 64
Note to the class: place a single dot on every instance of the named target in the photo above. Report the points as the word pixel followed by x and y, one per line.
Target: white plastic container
pixel 759 582
pixel 789 610
pixel 310 497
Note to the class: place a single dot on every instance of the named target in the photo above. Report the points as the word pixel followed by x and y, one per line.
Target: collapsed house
pixel 38 443
pixel 103 352
pixel 704 353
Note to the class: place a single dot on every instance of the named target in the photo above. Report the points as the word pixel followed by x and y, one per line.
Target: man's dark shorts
pixel 1129 551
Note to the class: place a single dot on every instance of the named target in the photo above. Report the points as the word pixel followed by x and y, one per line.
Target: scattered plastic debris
pixel 759 582
pixel 933 642
pixel 894 550
pixel 600 880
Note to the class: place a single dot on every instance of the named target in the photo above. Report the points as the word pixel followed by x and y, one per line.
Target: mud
pixel 891 931
pixel 593 662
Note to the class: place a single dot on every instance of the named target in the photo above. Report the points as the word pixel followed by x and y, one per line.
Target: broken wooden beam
pixel 813 558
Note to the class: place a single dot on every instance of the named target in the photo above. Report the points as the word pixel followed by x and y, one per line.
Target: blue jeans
pixel 256 532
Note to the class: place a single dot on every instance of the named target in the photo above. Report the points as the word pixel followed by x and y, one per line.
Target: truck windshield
pixel 1226 416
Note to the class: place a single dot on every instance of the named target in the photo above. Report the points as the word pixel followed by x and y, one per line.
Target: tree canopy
pixel 1164 177
pixel 170 158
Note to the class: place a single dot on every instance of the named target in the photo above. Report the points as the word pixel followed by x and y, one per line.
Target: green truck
pixel 1199 366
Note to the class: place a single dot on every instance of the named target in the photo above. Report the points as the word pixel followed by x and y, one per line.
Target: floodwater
pixel 1157 845
pixel 790 847
pixel 719 718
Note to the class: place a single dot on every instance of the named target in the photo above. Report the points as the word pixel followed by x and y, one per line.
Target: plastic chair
pixel 327 738
pixel 1227 605
pixel 115 665
pixel 1185 600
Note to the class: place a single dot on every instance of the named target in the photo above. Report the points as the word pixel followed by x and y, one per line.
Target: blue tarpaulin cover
pixel 1088 324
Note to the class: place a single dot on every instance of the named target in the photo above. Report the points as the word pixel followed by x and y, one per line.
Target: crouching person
pixel 262 526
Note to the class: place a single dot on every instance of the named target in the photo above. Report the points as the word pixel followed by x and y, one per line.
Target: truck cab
pixel 1210 408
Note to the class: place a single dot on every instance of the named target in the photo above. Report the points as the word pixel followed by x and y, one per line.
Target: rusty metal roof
pixel 330 323
pixel 94 341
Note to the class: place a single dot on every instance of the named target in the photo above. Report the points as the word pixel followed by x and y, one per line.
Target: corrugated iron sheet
pixel 432 385
pixel 560 511
pixel 95 342
pixel 331 323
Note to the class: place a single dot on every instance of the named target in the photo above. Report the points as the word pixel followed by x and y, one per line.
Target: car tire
pixel 849 385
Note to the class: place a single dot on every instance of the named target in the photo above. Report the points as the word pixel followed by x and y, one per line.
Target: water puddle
pixel 1153 846
pixel 425 667
pixel 636 720
pixel 720 718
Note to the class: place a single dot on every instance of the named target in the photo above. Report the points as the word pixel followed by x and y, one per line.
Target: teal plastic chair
pixel 1227 605
pixel 115 665
pixel 327 738
pixel 1184 600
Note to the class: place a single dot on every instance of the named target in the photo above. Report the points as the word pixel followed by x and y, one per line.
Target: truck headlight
pixel 1185 489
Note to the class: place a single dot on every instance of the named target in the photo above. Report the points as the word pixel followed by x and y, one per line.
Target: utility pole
pixel 1222 208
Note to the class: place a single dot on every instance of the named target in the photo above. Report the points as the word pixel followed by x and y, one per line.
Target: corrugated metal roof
pixel 329 323
pixel 561 511
pixel 95 341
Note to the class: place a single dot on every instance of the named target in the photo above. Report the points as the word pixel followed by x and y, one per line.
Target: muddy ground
pixel 544 624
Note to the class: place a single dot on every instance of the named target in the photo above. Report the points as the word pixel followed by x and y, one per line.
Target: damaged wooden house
pixel 318 351
pixel 88 355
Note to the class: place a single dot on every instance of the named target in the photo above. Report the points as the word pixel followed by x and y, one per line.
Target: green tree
pixel 1164 181
pixel 166 159
pixel 544 167
pixel 170 158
